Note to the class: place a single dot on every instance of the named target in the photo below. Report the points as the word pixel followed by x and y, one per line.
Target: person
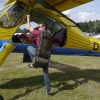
pixel 42 27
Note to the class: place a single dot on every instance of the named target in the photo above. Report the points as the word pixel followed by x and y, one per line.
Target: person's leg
pixel 32 52
pixel 47 80
pixel 1 97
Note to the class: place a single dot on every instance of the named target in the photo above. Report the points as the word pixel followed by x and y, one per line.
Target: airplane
pixel 66 31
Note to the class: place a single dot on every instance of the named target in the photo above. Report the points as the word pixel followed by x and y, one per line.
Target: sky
pixel 85 12
pixel 2 2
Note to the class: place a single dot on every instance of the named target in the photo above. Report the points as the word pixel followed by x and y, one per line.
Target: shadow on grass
pixel 23 82
pixel 68 78
pixel 28 90
pixel 30 84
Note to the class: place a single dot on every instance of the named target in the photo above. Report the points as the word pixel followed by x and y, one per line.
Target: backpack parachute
pixel 44 51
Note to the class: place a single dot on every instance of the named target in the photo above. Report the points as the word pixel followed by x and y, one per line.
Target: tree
pixel 90 27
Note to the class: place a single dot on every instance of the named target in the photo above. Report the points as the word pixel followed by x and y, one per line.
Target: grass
pixel 72 78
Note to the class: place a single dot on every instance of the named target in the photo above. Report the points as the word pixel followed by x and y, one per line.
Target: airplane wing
pixel 63 5
pixel 60 5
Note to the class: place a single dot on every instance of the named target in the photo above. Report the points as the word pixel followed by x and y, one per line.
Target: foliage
pixel 90 27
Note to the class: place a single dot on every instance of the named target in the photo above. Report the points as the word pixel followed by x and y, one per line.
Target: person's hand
pixel 28 18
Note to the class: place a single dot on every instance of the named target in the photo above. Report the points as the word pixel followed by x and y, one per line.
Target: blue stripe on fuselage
pixel 22 48
pixel 59 51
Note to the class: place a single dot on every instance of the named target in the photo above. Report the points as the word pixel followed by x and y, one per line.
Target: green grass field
pixel 72 78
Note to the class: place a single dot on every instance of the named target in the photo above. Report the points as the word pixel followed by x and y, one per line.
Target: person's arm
pixel 28 23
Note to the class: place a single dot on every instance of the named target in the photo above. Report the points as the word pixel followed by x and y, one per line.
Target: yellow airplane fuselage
pixel 75 39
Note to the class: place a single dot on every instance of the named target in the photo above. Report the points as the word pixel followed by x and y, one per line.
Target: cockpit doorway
pixel 58 30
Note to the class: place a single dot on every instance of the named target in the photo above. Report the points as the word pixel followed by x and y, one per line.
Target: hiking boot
pixel 30 65
pixel 48 93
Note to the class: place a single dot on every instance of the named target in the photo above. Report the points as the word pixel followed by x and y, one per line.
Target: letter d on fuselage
pixel 95 46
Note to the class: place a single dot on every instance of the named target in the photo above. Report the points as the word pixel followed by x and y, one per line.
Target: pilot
pixel 42 27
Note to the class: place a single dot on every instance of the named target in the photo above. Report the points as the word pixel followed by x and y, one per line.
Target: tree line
pixel 90 27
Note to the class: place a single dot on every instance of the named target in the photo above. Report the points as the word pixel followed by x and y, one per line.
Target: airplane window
pixel 59 38
pixel 13 16
pixel 4 9
pixel 56 28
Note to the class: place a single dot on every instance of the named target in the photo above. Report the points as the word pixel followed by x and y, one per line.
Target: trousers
pixel 32 53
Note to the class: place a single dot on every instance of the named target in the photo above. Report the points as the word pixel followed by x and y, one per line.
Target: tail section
pixel 5 50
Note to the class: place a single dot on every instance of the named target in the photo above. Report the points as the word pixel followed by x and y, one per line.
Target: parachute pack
pixel 44 51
